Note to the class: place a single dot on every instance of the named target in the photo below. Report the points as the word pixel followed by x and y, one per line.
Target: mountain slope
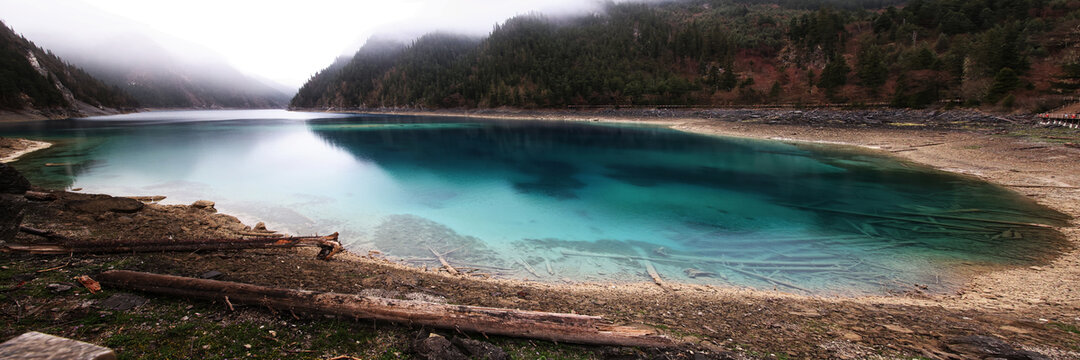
pixel 158 70
pixel 33 79
pixel 994 54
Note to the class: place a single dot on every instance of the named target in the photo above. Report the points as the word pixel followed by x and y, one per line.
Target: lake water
pixel 573 201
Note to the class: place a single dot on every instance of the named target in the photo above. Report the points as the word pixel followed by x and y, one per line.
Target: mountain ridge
pixel 35 83
pixel 997 56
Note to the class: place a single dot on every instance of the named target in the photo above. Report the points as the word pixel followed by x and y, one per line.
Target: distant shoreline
pixel 12 149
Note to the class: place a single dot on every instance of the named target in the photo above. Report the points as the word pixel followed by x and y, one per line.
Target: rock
pixel 58 287
pixel 11 181
pixel 986 347
pixel 212 274
pixel 436 347
pixel 480 350
pixel 35 345
pixel 203 204
pixel 12 211
pixel 99 205
pixel 123 302
pixel 897 328
pixel 12 203
pixel 260 227
pixel 850 336
pixel 125 220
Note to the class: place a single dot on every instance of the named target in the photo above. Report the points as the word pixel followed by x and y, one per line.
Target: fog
pixel 282 41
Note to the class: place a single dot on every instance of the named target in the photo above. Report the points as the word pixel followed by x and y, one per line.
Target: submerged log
pixel 918 221
pixel 528 267
pixel 328 244
pixel 684 259
pixel 990 221
pixel 569 328
pixel 445 264
pixel 653 274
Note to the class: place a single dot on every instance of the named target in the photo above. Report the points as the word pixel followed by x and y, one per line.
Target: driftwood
pixel 258 233
pixel 328 244
pixel 550 270
pixel 154 198
pixel 445 264
pixel 39 196
pixel 569 328
pixel 42 233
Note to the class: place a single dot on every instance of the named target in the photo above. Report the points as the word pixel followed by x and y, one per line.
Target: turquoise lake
pixel 563 201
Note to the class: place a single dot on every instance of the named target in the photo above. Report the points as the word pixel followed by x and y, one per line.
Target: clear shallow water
pixel 574 201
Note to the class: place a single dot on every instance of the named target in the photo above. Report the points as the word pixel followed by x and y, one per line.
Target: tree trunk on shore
pixel 328 244
pixel 569 328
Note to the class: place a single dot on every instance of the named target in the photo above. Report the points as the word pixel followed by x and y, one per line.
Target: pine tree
pixel 835 74
pixel 871 67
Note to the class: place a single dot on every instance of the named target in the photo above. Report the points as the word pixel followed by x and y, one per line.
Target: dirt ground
pixel 1005 313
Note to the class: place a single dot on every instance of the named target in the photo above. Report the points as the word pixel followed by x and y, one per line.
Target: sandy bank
pixel 13 149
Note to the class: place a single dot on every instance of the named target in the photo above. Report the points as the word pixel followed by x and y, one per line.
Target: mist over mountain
pixel 35 81
pixel 922 53
pixel 158 70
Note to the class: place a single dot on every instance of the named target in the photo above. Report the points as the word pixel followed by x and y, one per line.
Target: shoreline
pixel 946 150
pixel 20 148
pixel 1016 304
pixel 903 144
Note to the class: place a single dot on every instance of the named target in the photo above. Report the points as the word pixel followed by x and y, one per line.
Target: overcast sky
pixel 284 41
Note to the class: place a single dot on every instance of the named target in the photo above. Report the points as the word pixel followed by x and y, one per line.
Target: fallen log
pixel 39 196
pixel 558 327
pixel 328 244
pixel 42 233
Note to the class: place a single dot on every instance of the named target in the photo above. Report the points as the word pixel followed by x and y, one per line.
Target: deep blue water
pixel 590 202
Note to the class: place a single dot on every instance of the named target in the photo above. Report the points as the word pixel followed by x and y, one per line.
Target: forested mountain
pixel 996 54
pixel 158 70
pixel 32 78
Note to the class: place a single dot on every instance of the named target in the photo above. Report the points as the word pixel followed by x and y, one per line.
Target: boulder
pixel 11 181
pixel 204 204
pixel 437 347
pixel 477 349
pixel 12 210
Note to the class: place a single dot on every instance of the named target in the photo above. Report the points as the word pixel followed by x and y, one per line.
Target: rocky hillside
pixel 993 55
pixel 37 83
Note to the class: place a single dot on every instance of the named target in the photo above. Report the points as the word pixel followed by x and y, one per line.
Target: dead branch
pixel 445 264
